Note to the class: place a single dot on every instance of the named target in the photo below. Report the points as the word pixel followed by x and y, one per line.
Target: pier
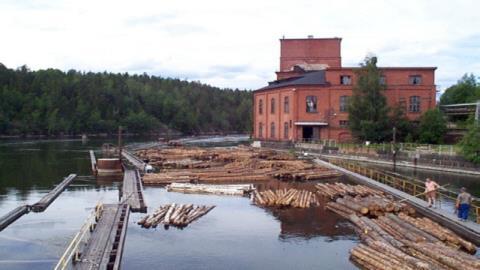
pixel 135 161
pixel 13 215
pixel 41 205
pixel 132 191
pixel 99 244
pixel 469 230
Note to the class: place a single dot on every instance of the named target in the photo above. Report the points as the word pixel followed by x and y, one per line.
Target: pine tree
pixel 368 111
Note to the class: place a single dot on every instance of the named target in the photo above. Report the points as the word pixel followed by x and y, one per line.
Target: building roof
pixel 309 78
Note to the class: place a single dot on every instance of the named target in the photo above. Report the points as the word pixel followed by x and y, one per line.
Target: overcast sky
pixel 235 43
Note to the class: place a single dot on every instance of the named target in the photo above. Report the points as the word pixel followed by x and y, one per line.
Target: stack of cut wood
pixel 241 190
pixel 336 190
pixel 172 214
pixel 403 242
pixel 239 164
pixel 285 198
pixel 374 206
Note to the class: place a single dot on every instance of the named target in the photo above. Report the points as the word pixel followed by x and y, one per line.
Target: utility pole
pixel 394 149
pixel 120 142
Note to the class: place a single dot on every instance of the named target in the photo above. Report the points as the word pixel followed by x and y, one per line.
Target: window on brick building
pixel 414 105
pixel 286 105
pixel 260 106
pixel 285 130
pixel 415 79
pixel 383 80
pixel 311 104
pixel 343 103
pixel 345 79
pixel 343 123
pixel 272 130
pixel 272 106
pixel 260 130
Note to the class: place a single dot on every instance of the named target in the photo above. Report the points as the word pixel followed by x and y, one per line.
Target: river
pixel 234 235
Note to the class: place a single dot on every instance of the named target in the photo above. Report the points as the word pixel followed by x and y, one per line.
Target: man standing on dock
pixel 464 200
pixel 430 191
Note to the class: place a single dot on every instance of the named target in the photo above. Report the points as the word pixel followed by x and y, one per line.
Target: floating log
pixel 286 198
pixel 241 190
pixel 173 214
pixel 239 164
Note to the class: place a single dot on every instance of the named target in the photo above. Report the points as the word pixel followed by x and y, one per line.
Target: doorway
pixel 307 133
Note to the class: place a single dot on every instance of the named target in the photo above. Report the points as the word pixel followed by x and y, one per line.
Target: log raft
pixel 44 202
pixel 241 190
pixel 285 198
pixel 176 215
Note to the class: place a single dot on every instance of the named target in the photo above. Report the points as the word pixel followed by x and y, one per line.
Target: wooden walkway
pixel 132 191
pixel 469 229
pixel 41 205
pixel 13 215
pixel 135 161
pixel 104 247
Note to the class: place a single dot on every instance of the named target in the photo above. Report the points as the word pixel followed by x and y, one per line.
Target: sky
pixel 235 44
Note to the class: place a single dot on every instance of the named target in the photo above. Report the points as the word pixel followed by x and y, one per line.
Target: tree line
pixel 52 102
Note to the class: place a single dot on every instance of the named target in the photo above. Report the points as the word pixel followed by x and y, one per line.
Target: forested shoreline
pixel 52 102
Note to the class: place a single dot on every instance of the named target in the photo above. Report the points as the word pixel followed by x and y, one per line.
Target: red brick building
pixel 309 98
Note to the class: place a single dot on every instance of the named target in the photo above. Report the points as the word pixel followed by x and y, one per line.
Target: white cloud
pixel 234 43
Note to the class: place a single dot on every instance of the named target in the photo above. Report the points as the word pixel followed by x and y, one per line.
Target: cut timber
pixel 238 164
pixel 43 203
pixel 240 190
pixel 173 214
pixel 286 198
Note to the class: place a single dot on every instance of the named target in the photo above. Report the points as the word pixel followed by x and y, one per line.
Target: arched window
pixel 414 105
pixel 272 106
pixel 260 106
pixel 285 130
pixel 260 130
pixel 343 103
pixel 286 105
pixel 272 130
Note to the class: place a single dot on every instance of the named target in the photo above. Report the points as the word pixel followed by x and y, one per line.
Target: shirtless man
pixel 430 192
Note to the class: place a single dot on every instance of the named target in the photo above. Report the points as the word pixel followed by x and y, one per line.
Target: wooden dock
pixel 104 247
pixel 469 229
pixel 132 191
pixel 41 205
pixel 13 215
pixel 93 160
pixel 135 161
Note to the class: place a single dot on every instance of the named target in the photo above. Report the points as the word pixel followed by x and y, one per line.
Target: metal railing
pixel 72 253
pixel 408 185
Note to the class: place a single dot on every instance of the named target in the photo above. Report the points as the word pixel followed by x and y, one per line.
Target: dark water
pixel 234 235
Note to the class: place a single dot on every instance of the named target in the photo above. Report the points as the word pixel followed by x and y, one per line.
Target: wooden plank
pixel 93 160
pixel 132 191
pixel 43 203
pixel 469 230
pixel 13 215
pixel 104 248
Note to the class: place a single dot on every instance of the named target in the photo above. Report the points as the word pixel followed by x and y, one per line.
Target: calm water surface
pixel 234 235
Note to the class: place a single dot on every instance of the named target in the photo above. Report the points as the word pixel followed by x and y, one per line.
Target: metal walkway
pixel 469 230
pixel 135 161
pixel 99 244
pixel 132 191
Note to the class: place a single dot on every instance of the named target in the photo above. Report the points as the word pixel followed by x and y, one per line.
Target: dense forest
pixel 52 102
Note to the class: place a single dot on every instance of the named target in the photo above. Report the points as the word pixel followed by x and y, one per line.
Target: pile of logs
pixel 336 190
pixel 374 206
pixel 286 198
pixel 238 164
pixel 172 214
pixel 241 190
pixel 403 242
